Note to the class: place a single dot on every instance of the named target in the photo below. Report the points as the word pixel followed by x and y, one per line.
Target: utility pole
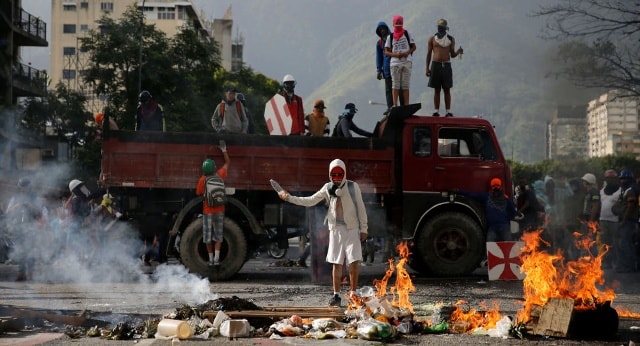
pixel 140 51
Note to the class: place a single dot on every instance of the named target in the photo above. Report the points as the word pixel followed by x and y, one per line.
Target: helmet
pixel 496 182
pixel 610 173
pixel 208 166
pixel 240 97
pixel 589 178
pixel 144 96
pixel 288 78
pixel 626 174
pixel 74 183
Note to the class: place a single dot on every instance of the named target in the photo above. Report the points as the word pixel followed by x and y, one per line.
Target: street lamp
pixel 140 51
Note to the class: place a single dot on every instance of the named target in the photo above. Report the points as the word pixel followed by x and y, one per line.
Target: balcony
pixel 29 30
pixel 28 81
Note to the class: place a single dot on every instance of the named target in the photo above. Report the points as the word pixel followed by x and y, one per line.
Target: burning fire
pixel 549 276
pixel 403 285
pixel 465 319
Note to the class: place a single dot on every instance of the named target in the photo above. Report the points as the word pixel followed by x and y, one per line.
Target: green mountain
pixel 329 46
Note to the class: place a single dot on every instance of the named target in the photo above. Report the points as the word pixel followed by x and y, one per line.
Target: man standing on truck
pixel 345 123
pixel 347 221
pixel 294 103
pixel 149 115
pixel 212 216
pixel 317 124
pixel 230 115
pixel 442 47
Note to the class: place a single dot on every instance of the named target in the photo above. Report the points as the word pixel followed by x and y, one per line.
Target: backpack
pixel 238 107
pixel 214 191
pixel 406 34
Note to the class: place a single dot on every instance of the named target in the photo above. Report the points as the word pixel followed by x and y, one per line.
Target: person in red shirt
pixel 212 217
pixel 294 102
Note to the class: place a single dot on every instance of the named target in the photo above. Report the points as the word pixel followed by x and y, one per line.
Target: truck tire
pixel 450 244
pixel 193 252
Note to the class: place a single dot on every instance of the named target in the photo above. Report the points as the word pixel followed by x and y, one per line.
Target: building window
pixel 69 28
pixel 69 50
pixel 106 6
pixel 165 13
pixel 84 27
pixel 68 74
pixel 84 5
pixel 182 13
pixel 68 7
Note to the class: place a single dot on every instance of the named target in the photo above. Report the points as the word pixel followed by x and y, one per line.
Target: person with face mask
pixel 345 123
pixel 150 114
pixel 441 47
pixel 294 103
pixel 347 222
pixel 399 46
pixel 499 210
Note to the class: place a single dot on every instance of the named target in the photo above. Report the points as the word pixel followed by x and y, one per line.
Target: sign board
pixel 503 260
pixel 277 116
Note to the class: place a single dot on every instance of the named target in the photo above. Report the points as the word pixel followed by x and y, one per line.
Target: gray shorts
pixel 401 75
pixel 212 226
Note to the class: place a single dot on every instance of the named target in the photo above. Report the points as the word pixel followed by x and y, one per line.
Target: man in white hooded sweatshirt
pixel 347 221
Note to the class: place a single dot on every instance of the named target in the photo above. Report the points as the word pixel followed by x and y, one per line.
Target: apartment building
pixel 567 133
pixel 612 125
pixel 19 28
pixel 72 19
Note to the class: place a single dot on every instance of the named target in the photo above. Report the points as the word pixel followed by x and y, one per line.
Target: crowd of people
pixel 39 228
pixel 568 211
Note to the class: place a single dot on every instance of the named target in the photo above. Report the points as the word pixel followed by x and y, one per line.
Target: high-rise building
pixel 612 125
pixel 72 19
pixel 18 28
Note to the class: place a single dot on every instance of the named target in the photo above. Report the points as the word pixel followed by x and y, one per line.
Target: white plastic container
pixel 169 328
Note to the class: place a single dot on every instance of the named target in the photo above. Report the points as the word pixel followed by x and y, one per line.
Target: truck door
pixel 466 158
pixel 445 157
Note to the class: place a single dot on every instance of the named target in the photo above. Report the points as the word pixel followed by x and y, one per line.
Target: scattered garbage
pixel 169 329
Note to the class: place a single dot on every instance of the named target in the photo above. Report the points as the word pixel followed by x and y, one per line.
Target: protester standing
pixel 441 47
pixel 213 216
pixel 400 47
pixel 347 221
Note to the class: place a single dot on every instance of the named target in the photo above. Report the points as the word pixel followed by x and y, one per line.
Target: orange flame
pixel 403 285
pixel 549 276
pixel 624 312
pixel 465 319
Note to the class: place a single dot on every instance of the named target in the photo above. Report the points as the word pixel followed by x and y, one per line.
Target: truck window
pixel 422 141
pixel 466 143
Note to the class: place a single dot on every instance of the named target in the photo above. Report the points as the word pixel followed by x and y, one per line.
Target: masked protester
pixel 347 221
pixel 499 210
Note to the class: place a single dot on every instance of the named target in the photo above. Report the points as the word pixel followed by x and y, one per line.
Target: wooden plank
pixel 282 312
pixel 555 318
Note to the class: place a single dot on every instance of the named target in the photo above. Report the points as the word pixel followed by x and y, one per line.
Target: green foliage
pixel 574 168
pixel 63 108
pixel 183 73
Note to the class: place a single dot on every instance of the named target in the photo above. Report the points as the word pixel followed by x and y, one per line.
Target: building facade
pixel 72 19
pixel 18 28
pixel 567 133
pixel 612 125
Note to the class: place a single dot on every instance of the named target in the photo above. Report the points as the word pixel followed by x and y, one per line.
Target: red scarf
pixel 398 29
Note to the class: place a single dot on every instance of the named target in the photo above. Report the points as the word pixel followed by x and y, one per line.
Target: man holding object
pixel 347 221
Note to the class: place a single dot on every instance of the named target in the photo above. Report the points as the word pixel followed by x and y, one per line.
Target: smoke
pixel 37 234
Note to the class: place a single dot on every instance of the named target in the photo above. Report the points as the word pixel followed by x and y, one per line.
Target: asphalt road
pixel 160 290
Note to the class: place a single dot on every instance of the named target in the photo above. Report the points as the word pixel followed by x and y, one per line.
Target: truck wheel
pixel 193 252
pixel 275 251
pixel 450 244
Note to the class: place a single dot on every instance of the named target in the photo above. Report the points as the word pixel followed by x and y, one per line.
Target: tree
pixel 603 47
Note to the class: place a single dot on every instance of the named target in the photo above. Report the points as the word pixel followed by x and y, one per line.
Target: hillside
pixel 329 47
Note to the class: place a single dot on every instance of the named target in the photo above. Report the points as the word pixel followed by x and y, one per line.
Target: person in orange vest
pixel 294 102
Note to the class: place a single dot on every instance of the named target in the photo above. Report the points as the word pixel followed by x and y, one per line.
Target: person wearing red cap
pixel 499 210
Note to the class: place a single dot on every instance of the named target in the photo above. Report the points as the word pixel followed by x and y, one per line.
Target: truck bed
pixel 173 160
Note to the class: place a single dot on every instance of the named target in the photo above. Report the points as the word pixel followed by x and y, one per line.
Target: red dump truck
pixel 406 174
